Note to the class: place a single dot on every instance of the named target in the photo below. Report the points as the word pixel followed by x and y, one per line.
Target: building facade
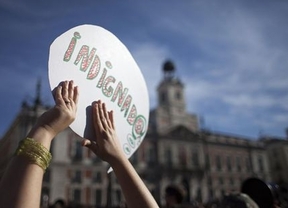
pixel 175 151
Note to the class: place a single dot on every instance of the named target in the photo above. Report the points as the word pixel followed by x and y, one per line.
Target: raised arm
pixel 107 147
pixel 22 180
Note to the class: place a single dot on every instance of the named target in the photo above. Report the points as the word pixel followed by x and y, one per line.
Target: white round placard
pixel 103 69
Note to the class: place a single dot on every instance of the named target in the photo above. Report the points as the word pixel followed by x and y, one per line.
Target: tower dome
pixel 168 69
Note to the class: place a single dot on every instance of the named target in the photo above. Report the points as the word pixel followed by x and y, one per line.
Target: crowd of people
pixel 21 183
pixel 174 197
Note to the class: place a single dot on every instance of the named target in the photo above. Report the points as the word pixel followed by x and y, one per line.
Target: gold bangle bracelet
pixel 35 152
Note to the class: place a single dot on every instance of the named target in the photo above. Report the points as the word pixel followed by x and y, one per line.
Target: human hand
pixel 64 112
pixel 106 144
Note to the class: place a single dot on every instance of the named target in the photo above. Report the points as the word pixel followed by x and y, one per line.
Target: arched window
pixel 178 95
pixel 168 157
pixel 182 156
pixel 218 163
pixel 229 165
pixel 163 97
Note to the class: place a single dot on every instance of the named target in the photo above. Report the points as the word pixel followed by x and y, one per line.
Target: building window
pixel 77 177
pixel 178 95
pixel 241 180
pixel 260 163
pixel 77 196
pixel 207 162
pixel 98 197
pixel 87 194
pixel 168 157
pixel 88 173
pixel 275 152
pixel 278 167
pixel 231 181
pixel 211 193
pixel 248 165
pixel 218 163
pixel 151 158
pixel 199 195
pixel 229 165
pixel 209 181
pixel 163 97
pixel 78 151
pixel 182 157
pixel 238 164
pixel 195 159
pixel 221 181
pixel 97 177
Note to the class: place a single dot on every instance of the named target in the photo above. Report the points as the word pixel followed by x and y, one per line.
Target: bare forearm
pixel 21 184
pixel 22 181
pixel 134 190
pixel 108 148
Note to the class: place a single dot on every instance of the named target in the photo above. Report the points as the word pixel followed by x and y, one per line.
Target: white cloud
pixel 280 118
pixel 249 101
pixel 246 73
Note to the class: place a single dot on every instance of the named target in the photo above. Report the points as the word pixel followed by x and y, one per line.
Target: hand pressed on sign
pixel 106 144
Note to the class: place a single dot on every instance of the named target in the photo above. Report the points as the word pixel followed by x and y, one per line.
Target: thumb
pixel 90 145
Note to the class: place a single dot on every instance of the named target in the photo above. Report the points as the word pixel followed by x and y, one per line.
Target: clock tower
pixel 171 109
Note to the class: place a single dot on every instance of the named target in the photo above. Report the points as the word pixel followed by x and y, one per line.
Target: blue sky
pixel 231 55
